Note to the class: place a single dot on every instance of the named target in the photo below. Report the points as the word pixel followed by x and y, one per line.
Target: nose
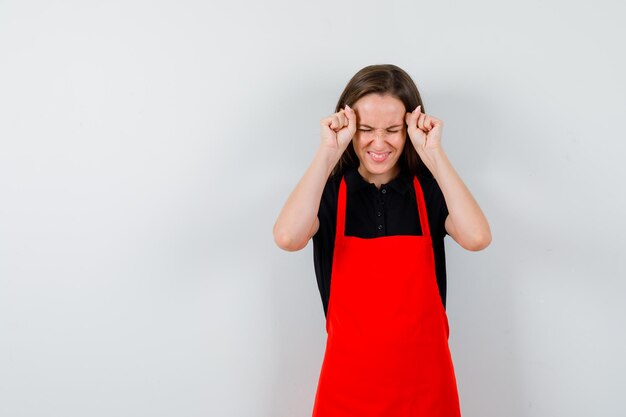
pixel 380 136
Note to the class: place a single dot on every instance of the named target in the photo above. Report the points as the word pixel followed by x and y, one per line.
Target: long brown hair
pixel 383 79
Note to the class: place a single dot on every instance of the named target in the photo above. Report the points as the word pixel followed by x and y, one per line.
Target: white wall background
pixel 147 147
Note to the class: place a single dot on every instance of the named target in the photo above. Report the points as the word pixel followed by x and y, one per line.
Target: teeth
pixel 379 156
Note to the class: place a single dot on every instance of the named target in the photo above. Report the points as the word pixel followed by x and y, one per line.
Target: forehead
pixel 379 109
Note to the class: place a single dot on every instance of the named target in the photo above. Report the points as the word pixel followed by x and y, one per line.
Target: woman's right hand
pixel 338 129
pixel 297 221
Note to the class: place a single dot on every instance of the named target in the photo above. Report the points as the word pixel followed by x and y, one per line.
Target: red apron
pixel 387 351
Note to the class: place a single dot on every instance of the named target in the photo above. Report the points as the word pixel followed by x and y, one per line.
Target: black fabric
pixel 371 212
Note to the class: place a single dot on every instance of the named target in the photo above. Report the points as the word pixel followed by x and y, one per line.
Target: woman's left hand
pixel 466 222
pixel 425 133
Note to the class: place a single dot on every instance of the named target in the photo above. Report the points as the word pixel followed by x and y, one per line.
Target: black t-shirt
pixel 371 212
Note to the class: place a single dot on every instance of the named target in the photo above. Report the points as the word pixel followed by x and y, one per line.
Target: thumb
pixel 411 119
pixel 351 115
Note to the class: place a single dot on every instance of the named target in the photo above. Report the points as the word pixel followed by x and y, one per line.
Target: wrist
pixel 434 159
pixel 328 158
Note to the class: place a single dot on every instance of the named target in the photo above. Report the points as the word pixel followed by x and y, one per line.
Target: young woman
pixel 378 199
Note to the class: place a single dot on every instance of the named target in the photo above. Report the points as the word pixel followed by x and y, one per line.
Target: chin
pixel 380 169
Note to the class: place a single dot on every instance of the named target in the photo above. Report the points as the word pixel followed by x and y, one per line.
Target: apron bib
pixel 387 351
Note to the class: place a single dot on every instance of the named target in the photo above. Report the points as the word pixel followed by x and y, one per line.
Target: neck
pixel 379 179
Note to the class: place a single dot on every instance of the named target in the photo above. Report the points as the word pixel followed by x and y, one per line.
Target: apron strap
pixel 421 207
pixel 341 209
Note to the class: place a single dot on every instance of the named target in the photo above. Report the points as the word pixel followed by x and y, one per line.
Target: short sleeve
pixel 437 213
pixel 436 207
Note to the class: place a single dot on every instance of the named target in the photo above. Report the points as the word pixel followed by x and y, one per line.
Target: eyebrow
pixel 389 127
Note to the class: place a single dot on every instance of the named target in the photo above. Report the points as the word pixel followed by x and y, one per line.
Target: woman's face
pixel 380 136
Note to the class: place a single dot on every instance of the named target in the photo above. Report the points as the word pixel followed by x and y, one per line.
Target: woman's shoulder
pixel 332 185
pixel 435 203
pixel 428 182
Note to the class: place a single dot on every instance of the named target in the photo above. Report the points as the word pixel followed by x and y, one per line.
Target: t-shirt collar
pixel 401 184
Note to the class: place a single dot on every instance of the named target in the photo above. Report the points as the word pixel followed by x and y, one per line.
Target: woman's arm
pixel 466 222
pixel 297 221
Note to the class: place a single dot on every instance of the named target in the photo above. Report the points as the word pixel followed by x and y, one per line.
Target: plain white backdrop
pixel 147 147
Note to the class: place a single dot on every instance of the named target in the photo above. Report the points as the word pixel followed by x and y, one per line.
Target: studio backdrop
pixel 146 149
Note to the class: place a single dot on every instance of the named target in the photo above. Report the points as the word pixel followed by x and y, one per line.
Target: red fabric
pixel 387 351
